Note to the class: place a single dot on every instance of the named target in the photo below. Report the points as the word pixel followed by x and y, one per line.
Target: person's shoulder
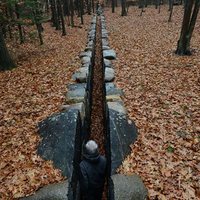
pixel 103 158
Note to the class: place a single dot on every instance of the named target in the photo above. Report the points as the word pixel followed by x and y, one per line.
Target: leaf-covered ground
pixel 28 94
pixel 162 96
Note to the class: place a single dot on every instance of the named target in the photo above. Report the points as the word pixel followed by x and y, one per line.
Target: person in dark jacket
pixel 92 172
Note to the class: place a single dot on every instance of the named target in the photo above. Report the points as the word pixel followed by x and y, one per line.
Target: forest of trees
pixel 17 14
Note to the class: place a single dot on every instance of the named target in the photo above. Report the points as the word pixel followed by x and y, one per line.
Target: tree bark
pixel 123 4
pixel 113 6
pixel 171 6
pixel 6 61
pixel 193 22
pixel 60 13
pixel 18 24
pixel 182 47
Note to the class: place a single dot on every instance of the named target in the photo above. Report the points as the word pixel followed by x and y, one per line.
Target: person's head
pixel 91 147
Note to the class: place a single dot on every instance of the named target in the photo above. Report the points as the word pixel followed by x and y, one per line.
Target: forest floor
pixel 162 96
pixel 28 94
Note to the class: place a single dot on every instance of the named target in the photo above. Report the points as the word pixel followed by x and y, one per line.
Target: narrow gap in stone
pixel 97 125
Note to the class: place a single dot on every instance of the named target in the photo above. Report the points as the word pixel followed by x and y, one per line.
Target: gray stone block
pixel 106 48
pixel 111 89
pixel 117 106
pixel 105 42
pixel 85 59
pixel 123 132
pixel 129 187
pixel 109 74
pixel 81 75
pixel 107 63
pixel 57 191
pixel 60 133
pixel 86 54
pixel 109 54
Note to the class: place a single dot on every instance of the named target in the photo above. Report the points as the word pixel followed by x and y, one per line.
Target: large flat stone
pixel 129 187
pixel 123 132
pixel 57 191
pixel 60 133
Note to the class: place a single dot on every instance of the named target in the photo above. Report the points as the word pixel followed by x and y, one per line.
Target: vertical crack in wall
pixel 97 126
pixel 97 112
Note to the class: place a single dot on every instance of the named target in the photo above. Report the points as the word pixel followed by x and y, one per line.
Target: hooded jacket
pixel 92 173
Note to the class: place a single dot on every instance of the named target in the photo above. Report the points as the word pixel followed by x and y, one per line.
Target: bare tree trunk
pixel 123 3
pixel 193 22
pixel 18 24
pixel 72 12
pixel 171 6
pixel 113 6
pixel 183 42
pixel 6 61
pixel 60 13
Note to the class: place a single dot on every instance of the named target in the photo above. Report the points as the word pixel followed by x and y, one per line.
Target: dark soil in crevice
pixel 97 113
pixel 97 126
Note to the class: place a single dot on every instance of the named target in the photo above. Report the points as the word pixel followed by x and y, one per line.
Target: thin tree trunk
pixel 81 10
pixel 60 12
pixel 6 61
pixel 72 12
pixel 182 42
pixel 113 6
pixel 124 13
pixel 193 22
pixel 18 24
pixel 171 10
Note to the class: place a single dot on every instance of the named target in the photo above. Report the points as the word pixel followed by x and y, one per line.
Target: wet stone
pixel 129 187
pixel 59 133
pixel 57 191
pixel 109 54
pixel 123 133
